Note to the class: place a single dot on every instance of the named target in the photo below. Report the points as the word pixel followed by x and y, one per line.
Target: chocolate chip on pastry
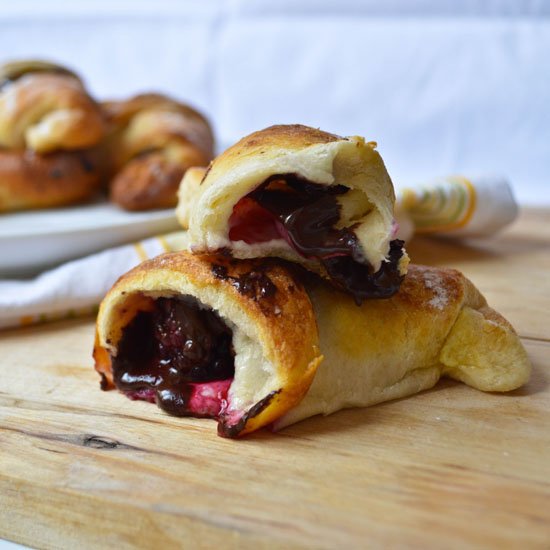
pixel 153 141
pixel 243 341
pixel 49 129
pixel 308 196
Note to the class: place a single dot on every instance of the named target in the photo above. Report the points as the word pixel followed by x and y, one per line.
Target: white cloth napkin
pixel 456 207
pixel 76 288
pixel 453 206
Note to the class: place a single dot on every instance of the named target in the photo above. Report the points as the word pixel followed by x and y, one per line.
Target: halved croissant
pixel 308 196
pixel 256 365
pixel 257 313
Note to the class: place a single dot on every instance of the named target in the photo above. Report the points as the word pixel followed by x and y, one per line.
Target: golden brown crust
pixel 290 136
pixel 231 288
pixel 46 112
pixel 12 70
pixel 153 140
pixel 120 113
pixel 49 126
pixel 419 288
pixel 280 136
pixel 30 181
pixel 438 324
pixel 415 320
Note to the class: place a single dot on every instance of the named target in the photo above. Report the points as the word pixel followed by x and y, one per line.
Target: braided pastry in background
pixel 48 127
pixel 153 141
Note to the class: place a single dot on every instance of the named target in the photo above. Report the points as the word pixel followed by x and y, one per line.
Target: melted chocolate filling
pixel 165 354
pixel 306 214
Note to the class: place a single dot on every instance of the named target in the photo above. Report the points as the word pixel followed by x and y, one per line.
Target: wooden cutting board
pixel 444 469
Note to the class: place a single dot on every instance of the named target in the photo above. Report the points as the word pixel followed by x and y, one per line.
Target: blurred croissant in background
pixel 49 130
pixel 152 141
pixel 58 146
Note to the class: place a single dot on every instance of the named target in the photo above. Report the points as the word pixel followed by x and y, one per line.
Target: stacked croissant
pixel 58 146
pixel 293 297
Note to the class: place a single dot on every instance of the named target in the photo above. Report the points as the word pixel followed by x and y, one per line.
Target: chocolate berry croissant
pixel 207 336
pixel 243 341
pixel 152 142
pixel 308 196
pixel 49 129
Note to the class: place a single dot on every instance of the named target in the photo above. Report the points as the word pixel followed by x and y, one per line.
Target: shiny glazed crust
pixel 153 140
pixel 438 324
pixel 29 180
pixel 315 155
pixel 263 327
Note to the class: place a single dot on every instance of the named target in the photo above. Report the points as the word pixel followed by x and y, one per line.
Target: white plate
pixel 31 241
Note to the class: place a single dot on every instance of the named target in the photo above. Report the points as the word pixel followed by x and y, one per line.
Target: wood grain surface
pixel 448 468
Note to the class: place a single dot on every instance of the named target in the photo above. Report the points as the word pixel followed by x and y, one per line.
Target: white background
pixel 443 86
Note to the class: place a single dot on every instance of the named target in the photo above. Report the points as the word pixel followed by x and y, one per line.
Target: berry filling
pixel 305 214
pixel 179 356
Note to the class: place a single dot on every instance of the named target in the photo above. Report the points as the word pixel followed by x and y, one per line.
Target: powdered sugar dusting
pixel 434 282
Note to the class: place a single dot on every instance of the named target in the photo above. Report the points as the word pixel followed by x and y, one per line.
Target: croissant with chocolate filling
pixel 209 337
pixel 49 128
pixel 242 340
pixel 153 140
pixel 308 196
